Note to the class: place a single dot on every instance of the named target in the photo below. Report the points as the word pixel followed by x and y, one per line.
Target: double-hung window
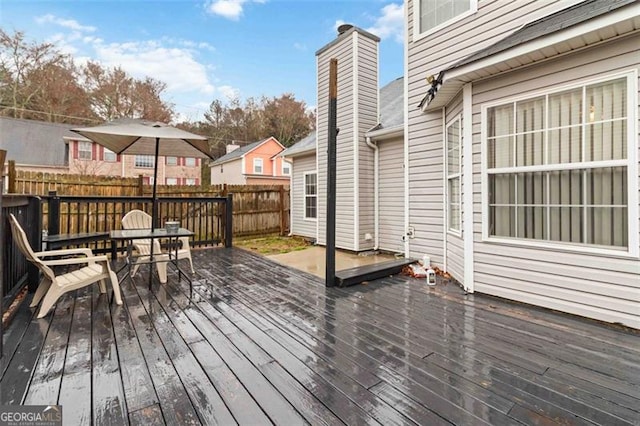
pixel 286 168
pixel 257 166
pixel 85 150
pixel 454 173
pixel 110 156
pixel 433 14
pixel 558 166
pixel 310 195
pixel 144 161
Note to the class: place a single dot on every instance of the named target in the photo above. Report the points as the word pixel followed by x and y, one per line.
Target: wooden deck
pixel 260 343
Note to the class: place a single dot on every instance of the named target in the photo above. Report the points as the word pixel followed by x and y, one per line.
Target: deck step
pixel 359 274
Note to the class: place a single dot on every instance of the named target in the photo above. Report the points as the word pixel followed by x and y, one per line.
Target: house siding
pixel 391 195
pixel 353 65
pixel 229 173
pixel 597 286
pixel 427 56
pixel 299 225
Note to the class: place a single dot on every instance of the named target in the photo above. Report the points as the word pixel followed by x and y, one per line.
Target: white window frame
pixel 171 160
pixel 286 163
pixel 258 163
pixel 633 249
pixel 108 153
pixel 190 161
pixel 84 144
pixel 191 181
pixel 417 34
pixel 142 159
pixel 171 181
pixel 449 176
pixel 304 200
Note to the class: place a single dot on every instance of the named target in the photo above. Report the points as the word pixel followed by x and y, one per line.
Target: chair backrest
pixel 137 219
pixel 20 237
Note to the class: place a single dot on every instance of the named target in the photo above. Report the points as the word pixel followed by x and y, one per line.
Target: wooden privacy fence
pixel 257 209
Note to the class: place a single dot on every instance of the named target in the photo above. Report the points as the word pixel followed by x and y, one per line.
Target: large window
pixel 110 155
pixel 171 161
pixel 190 162
pixel 435 13
pixel 144 161
pixel 558 165
pixel 454 173
pixel 310 195
pixel 85 150
pixel 257 166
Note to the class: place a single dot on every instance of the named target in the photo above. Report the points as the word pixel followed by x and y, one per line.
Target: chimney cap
pixel 343 28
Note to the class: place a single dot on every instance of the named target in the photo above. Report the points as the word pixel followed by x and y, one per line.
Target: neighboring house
pixel 257 163
pixel 35 145
pixel 52 147
pixel 530 125
pixel 520 161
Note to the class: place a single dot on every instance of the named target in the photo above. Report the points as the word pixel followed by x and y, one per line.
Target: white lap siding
pixel 605 287
pixel 299 225
pixel 391 194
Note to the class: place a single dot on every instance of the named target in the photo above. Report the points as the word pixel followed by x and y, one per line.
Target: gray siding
pixel 428 55
pixel 391 194
pixel 229 173
pixel 357 58
pixel 597 286
pixel 299 225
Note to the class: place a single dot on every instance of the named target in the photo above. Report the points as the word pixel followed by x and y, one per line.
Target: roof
pixel 36 142
pixel 303 146
pixel 565 18
pixel 239 152
pixel 578 26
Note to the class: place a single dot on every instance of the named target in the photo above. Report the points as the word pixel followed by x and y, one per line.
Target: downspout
pixel 376 196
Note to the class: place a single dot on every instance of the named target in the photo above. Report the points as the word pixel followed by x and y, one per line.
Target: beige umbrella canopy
pixel 139 137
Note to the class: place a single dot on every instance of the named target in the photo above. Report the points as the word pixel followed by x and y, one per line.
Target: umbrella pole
pixel 154 209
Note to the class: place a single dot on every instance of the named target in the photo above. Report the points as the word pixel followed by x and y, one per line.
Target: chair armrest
pixel 65 252
pixel 76 260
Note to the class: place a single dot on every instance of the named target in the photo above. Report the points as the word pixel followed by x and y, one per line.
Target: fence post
pixel 53 216
pixel 140 186
pixel 282 224
pixel 35 238
pixel 12 177
pixel 228 223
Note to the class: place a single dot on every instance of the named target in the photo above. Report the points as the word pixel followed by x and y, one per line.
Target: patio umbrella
pixel 147 138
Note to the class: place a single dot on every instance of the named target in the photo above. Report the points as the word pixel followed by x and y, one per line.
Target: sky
pixel 210 49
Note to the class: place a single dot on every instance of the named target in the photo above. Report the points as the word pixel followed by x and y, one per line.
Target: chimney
pixel 357 53
pixel 232 147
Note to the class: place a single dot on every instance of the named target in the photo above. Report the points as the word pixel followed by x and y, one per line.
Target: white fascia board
pixel 456 77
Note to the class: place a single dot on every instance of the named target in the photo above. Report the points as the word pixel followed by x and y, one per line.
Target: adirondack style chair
pixel 137 219
pixel 53 286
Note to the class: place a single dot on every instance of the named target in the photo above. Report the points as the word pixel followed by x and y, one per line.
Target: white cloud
pixel 390 23
pixel 228 92
pixel 300 46
pixel 230 9
pixel 66 23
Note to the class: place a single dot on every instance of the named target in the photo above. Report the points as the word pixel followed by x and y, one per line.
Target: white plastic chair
pixel 142 220
pixel 137 219
pixel 53 286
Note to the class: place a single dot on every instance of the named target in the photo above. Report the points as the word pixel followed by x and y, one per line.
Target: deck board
pixel 261 343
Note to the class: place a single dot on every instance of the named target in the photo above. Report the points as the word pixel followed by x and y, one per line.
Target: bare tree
pixel 287 119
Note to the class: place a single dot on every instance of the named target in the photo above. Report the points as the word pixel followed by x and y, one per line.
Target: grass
pixel 272 244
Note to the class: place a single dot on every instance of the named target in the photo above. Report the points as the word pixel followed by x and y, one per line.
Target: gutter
pixel 376 197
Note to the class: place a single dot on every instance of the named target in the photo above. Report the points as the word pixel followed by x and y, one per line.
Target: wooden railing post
pixel 53 215
pixel 35 238
pixel 228 223
pixel 12 177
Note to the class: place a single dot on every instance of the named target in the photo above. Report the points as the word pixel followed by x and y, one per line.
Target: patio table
pixel 129 235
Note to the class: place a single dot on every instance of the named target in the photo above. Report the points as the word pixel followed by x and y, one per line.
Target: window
pixel 110 156
pixel 191 181
pixel 454 173
pixel 144 161
pixel 286 168
pixel 310 196
pixel 172 161
pixel 171 181
pixel 190 161
pixel 85 150
pixel 436 13
pixel 257 166
pixel 558 166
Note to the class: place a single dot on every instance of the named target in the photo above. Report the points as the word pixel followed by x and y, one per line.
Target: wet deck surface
pixel 260 343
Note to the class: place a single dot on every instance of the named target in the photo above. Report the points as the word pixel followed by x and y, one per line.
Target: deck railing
pixel 209 218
